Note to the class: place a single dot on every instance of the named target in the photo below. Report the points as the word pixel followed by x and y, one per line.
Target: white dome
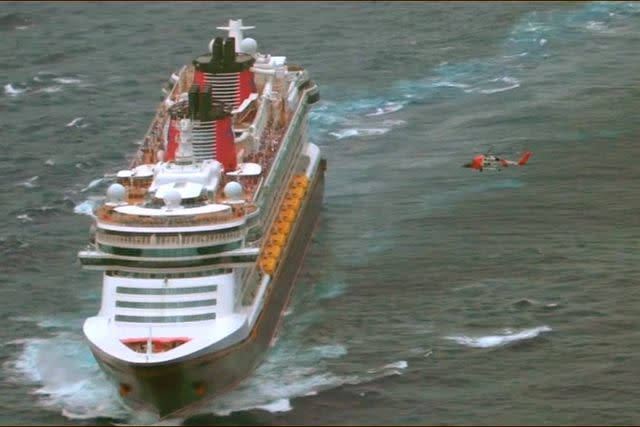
pixel 249 46
pixel 116 193
pixel 172 198
pixel 233 190
pixel 160 155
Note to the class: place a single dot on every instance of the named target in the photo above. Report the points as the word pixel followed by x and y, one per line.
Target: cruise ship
pixel 200 239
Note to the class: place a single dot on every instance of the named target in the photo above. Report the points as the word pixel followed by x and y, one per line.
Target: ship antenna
pixel 235 28
pixel 184 154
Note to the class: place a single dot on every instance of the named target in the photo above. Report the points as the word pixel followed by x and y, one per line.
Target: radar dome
pixel 233 190
pixel 116 193
pixel 249 46
pixel 172 198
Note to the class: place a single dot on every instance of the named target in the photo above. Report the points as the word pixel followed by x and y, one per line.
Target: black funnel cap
pixel 217 50
pixel 230 51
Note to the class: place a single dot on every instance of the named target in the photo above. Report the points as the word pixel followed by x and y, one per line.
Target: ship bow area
pixel 211 356
pixel 147 350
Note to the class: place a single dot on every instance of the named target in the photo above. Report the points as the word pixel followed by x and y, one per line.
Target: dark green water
pixel 432 294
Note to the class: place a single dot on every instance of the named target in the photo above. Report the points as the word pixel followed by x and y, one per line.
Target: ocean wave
pixel 12 91
pixel 15 21
pixel 446 83
pixel 29 183
pixel 331 351
pixel 511 83
pixel 280 405
pixel 329 290
pixel 489 341
pixel 67 80
pixel 76 122
pixel 85 208
pixel 24 218
pixel 353 132
pixel 276 396
pixel 65 377
pixel 50 89
pixel 388 108
pixel 94 183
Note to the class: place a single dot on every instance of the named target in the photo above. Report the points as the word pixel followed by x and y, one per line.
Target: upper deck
pixel 228 132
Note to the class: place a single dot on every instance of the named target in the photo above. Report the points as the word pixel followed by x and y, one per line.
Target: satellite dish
pixel 172 199
pixel 249 46
pixel 116 193
pixel 233 191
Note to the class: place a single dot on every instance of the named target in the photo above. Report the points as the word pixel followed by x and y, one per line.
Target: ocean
pixel 432 293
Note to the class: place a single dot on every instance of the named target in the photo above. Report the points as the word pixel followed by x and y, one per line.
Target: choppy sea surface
pixel 432 294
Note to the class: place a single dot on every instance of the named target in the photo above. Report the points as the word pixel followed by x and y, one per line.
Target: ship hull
pixel 181 386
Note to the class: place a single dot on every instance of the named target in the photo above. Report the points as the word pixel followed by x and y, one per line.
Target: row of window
pixel 181 275
pixel 161 305
pixel 182 252
pixel 166 291
pixel 165 319
pixel 169 239
pixel 166 264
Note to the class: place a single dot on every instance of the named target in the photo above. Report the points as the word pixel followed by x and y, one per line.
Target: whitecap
pixel 29 183
pixel 66 80
pixel 498 340
pixel 447 83
pixel 389 107
pixel 280 405
pixel 92 184
pixel 51 89
pixel 391 122
pixel 24 218
pixel 12 91
pixel 511 82
pixel 49 162
pixel 331 351
pixel 517 55
pixel 347 133
pixel 74 122
pixel 542 42
pixel 85 208
pixel 400 364
pixel 596 26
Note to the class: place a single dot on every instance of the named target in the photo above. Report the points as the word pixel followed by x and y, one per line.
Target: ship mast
pixel 184 153
pixel 235 29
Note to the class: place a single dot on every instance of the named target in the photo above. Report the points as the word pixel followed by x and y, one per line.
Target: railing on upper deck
pixel 171 240
pixel 107 215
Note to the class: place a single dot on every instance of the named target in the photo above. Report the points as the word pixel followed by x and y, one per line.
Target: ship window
pixel 172 252
pixel 165 319
pixel 165 291
pixel 180 304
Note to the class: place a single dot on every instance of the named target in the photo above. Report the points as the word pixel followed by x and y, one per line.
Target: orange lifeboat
pixel 296 192
pixel 283 227
pixel 287 215
pixel 292 203
pixel 268 265
pixel 277 239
